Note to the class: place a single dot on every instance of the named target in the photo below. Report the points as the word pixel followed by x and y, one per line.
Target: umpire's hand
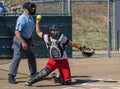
pixel 24 46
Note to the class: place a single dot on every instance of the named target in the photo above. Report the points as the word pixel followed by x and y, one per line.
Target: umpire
pixel 22 41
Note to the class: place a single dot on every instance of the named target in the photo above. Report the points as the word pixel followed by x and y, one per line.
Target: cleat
pixel 68 82
pixel 56 78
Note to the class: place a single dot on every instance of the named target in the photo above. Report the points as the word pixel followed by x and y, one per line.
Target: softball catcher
pixel 55 43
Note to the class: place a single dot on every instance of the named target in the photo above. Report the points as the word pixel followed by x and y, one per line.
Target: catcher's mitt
pixel 86 51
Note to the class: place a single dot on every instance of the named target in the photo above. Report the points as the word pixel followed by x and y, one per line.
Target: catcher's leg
pixel 64 77
pixel 40 75
pixel 65 72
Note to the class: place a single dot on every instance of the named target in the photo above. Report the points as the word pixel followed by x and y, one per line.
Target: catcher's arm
pixel 86 51
pixel 73 44
pixel 38 30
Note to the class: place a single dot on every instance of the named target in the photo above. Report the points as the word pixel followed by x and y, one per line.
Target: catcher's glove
pixel 86 51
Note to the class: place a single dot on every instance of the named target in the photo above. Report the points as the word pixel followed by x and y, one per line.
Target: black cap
pixel 31 7
pixel 26 5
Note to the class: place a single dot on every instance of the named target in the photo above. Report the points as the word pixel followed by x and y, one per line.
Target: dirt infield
pixel 87 73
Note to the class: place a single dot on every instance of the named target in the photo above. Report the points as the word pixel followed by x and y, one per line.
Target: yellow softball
pixel 39 17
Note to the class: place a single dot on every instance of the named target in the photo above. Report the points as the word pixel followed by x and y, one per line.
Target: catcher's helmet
pixel 31 7
pixel 52 27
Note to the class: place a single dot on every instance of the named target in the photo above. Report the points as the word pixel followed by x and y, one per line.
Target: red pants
pixel 63 67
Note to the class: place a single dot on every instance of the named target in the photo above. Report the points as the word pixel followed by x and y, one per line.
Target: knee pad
pixel 44 72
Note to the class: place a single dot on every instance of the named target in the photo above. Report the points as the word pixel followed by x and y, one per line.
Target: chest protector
pixel 56 48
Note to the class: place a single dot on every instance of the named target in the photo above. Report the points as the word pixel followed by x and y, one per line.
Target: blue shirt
pixel 25 24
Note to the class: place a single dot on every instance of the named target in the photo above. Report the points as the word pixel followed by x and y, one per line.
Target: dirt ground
pixel 87 73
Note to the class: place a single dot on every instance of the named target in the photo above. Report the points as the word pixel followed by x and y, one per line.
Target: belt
pixel 27 40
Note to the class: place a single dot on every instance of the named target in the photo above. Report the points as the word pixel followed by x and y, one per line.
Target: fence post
pixel 109 26
pixel 69 7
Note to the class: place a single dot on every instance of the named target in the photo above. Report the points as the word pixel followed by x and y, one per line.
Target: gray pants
pixel 17 57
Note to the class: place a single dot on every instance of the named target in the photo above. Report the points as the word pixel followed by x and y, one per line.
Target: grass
pixel 90 24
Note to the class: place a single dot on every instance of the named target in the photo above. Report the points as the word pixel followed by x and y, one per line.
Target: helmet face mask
pixel 32 9
pixel 53 30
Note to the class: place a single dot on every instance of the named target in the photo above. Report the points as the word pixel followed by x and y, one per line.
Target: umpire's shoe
pixel 11 79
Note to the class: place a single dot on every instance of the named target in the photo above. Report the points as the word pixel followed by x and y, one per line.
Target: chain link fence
pixel 90 26
pixel 90 19
pixel 53 7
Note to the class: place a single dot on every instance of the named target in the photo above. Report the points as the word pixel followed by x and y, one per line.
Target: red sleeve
pixel 43 36
pixel 67 41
